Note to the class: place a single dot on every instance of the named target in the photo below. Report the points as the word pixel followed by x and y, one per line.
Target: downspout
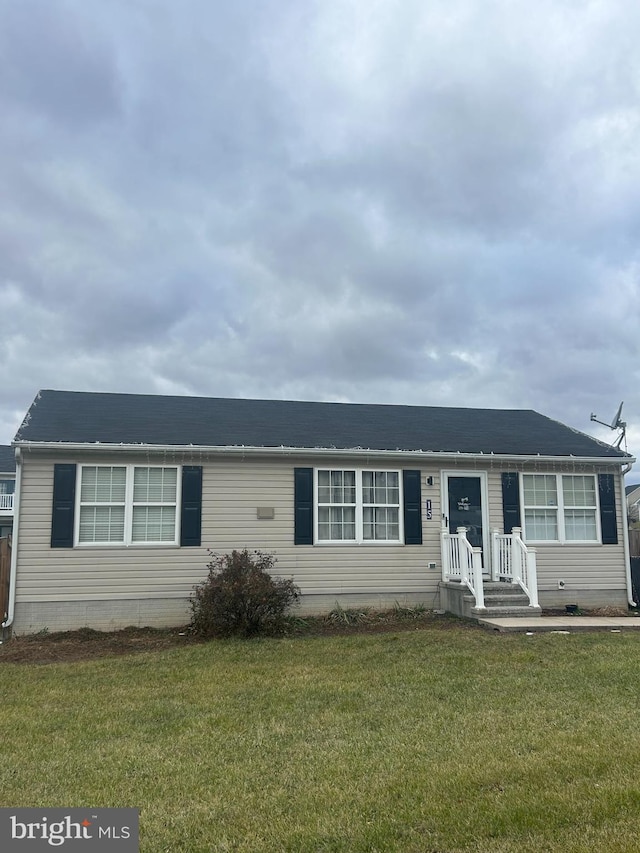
pixel 625 532
pixel 14 544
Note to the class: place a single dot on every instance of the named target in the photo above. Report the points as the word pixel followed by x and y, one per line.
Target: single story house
pixel 120 497
pixel 7 488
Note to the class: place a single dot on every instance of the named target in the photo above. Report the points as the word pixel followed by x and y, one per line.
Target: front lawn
pixel 411 742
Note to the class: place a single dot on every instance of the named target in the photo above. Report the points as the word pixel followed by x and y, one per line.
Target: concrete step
pixel 502 600
pixel 505 612
pixel 506 600
pixel 502 588
pixel 496 599
pixel 512 592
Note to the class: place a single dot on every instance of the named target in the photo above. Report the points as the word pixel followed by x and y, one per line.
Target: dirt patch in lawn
pixel 87 644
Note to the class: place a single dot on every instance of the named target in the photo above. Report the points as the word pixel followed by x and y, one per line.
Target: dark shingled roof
pixel 7 459
pixel 79 417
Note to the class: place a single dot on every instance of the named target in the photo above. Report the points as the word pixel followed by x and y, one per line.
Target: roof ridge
pixel 419 406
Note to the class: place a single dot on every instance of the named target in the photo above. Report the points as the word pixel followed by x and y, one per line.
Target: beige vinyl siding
pixel 233 489
pixel 583 568
pixel 494 489
pixel 88 572
pixel 591 567
pixel 371 568
pixel 587 570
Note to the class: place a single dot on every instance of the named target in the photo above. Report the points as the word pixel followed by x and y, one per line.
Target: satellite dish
pixel 616 423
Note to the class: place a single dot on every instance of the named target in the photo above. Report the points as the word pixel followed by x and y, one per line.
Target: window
pixel 127 504
pixel 336 505
pixel 154 504
pixel 7 488
pixel 381 505
pixel 358 506
pixel 560 508
pixel 102 503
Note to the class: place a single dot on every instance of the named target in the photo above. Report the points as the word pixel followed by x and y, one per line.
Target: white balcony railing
pixel 514 562
pixel 6 503
pixel 462 562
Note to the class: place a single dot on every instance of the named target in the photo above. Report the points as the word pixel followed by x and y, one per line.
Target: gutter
pixel 625 529
pixel 14 544
pixel 242 450
pixel 296 451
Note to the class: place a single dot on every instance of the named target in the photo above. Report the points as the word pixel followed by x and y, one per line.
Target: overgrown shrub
pixel 240 597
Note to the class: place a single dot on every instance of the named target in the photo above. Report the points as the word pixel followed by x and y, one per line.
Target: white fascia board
pixel 241 450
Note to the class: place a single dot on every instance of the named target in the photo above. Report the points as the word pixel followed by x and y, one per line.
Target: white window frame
pixel 560 510
pixel 359 507
pixel 129 504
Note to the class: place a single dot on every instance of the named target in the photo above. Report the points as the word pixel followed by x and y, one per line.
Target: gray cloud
pixel 331 200
pixel 55 66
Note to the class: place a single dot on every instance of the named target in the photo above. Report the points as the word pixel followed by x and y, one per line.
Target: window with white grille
pixel 354 505
pixel 560 508
pixel 127 504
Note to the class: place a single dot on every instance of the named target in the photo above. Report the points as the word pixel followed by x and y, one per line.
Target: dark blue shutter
pixel 303 506
pixel 64 502
pixel 511 501
pixel 412 508
pixel 191 509
pixel 608 521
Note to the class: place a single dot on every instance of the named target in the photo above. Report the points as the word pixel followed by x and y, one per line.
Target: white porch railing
pixel 462 562
pixel 513 561
pixel 6 503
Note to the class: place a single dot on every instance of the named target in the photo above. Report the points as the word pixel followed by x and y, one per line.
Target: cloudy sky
pixel 412 201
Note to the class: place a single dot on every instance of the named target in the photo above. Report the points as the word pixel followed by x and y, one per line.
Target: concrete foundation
pixel 116 614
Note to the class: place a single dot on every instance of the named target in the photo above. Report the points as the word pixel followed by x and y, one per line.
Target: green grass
pixel 411 742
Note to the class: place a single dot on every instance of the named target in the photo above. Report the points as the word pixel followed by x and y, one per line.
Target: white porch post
pixel 478 583
pixel 462 533
pixel 515 556
pixel 471 567
pixel 532 577
pixel 444 550
pixel 495 550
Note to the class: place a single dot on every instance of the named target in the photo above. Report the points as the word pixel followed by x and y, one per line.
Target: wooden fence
pixel 5 570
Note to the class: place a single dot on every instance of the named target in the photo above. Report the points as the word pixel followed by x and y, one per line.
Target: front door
pixel 466 509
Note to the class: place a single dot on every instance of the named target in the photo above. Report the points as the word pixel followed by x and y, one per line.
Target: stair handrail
pixel 462 562
pixel 514 561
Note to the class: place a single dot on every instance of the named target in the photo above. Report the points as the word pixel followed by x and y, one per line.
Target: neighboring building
pixel 633 501
pixel 7 488
pixel 122 496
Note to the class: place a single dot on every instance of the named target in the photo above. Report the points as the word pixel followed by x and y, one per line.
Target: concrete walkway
pixel 562 623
